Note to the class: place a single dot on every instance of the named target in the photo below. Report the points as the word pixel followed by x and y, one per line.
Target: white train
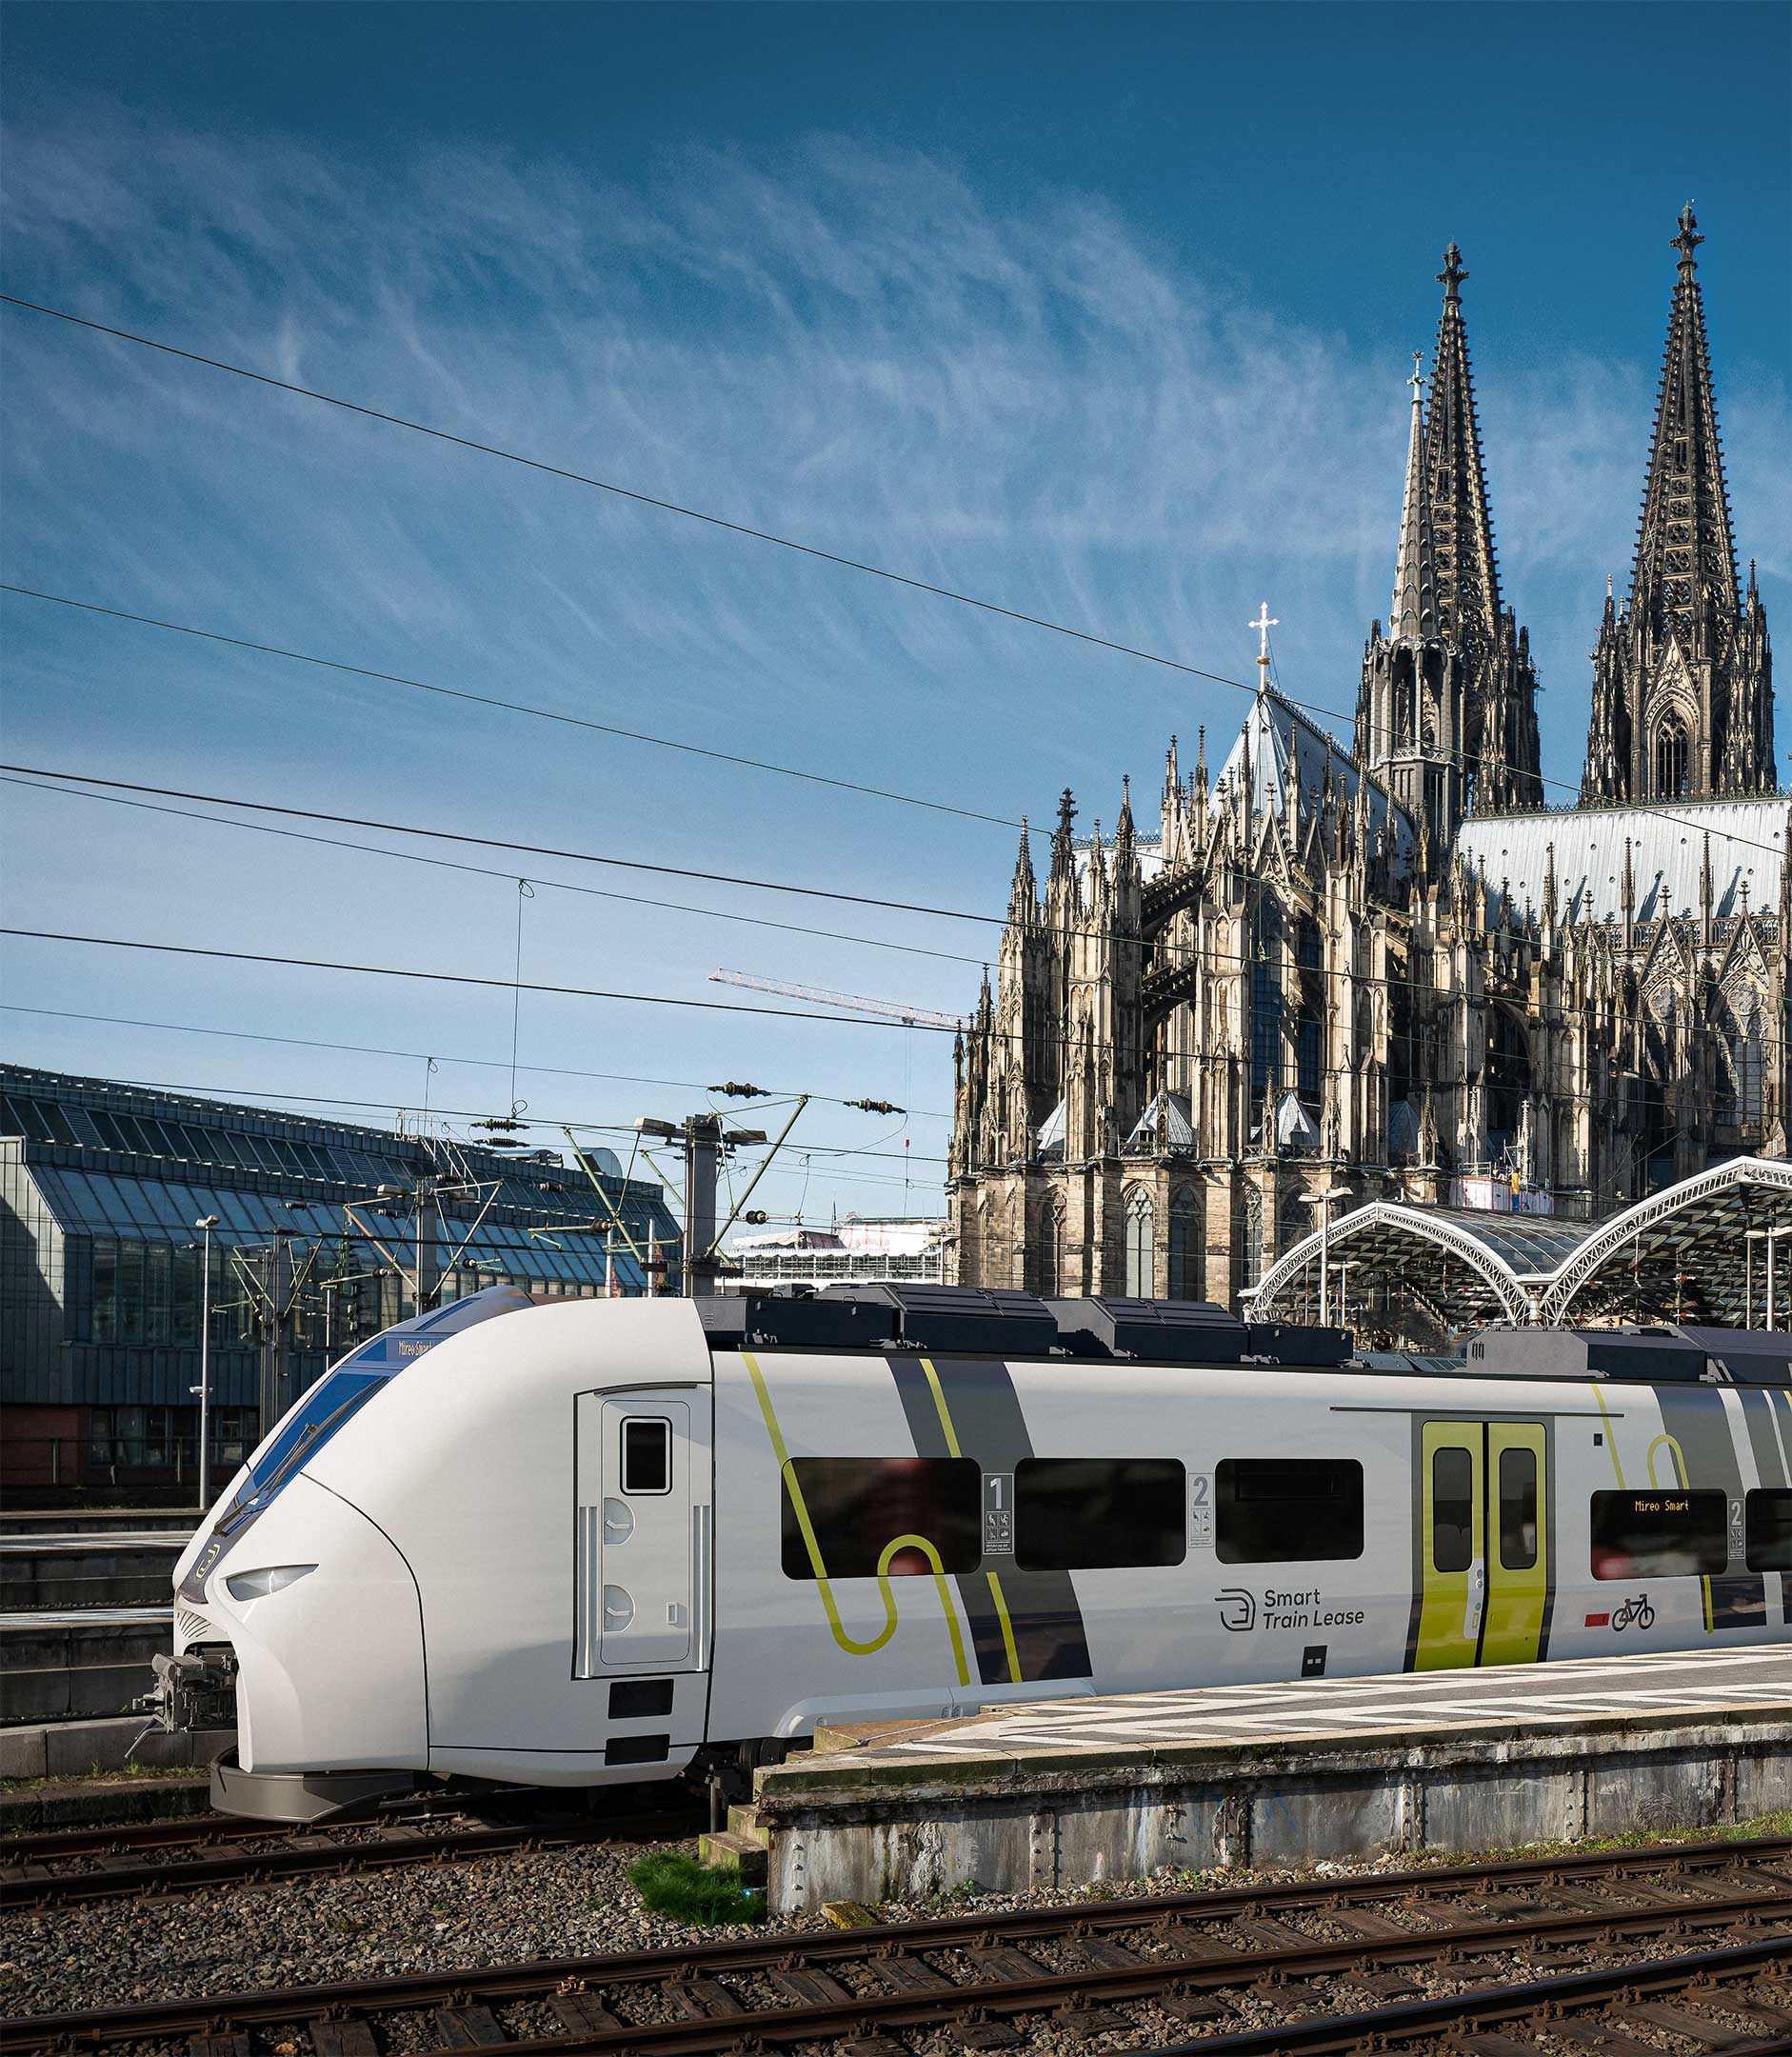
pixel 593 1541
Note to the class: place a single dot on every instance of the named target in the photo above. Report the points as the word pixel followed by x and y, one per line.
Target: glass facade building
pixel 324 1231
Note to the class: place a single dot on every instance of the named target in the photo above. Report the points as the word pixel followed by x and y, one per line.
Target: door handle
pixel 1476 1595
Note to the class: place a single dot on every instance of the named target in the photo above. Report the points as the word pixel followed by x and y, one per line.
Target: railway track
pixel 1695 1938
pixel 69 1868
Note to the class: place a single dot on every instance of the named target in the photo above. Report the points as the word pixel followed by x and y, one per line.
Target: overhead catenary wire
pixel 450 864
pixel 1063 1039
pixel 583 1124
pixel 530 849
pixel 619 491
pixel 463 978
pixel 715 521
pixel 513 707
pixel 1215 959
pixel 368 1050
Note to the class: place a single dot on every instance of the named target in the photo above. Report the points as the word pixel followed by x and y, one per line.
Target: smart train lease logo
pixel 1238 1609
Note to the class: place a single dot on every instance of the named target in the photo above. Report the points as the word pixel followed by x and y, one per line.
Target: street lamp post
pixel 206 1224
pixel 1752 1236
pixel 1773 1236
pixel 1325 1200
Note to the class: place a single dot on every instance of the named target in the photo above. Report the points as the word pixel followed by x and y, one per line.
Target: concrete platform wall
pixel 838 1830
pixel 62 1578
pixel 74 1749
pixel 53 1673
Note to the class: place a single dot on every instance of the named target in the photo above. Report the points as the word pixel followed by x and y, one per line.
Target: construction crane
pixel 915 1017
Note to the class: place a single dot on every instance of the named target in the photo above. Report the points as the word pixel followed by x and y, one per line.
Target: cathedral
pixel 1395 972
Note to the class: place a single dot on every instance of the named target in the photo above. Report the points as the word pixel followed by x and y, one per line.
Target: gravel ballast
pixel 513 1907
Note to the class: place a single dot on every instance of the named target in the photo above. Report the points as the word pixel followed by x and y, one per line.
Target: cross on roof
pixel 1263 624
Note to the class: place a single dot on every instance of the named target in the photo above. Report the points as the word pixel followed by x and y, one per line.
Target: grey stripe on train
pixel 1043 1616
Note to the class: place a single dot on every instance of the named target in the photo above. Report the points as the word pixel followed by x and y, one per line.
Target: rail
pixel 72 1866
pixel 1701 1923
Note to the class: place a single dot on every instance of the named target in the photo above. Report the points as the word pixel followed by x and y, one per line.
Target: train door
pixel 643 1571
pixel 1483 1544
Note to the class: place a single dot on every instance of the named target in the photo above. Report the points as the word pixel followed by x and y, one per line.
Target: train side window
pixel 1770 1530
pixel 1288 1509
pixel 1453 1508
pixel 1099 1514
pixel 1518 1510
pixel 647 1454
pixel 902 1517
pixel 1659 1531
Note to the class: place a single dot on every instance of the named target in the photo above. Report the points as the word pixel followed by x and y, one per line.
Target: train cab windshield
pixel 320 1413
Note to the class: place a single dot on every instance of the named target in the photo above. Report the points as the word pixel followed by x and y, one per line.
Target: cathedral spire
pixel 1062 853
pixel 1685 567
pixel 1683 700
pixel 1447 712
pixel 1024 899
pixel 1414 609
pixel 1467 572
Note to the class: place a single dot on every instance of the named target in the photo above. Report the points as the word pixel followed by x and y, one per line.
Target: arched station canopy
pixel 1686 1249
pixel 1458 1268
pixel 1682 1253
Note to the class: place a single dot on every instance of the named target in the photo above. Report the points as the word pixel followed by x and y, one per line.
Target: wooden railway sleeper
pixel 345 2036
pixel 917 1985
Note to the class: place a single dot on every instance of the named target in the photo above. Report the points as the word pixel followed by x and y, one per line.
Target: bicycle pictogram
pixel 1638 1611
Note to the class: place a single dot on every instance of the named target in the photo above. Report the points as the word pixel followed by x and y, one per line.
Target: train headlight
pixel 258 1584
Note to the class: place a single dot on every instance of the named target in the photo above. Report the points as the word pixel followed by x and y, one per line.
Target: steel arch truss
pixel 1632 1229
pixel 1387 1216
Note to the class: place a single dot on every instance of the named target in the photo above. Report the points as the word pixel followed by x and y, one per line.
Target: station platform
pixel 62 1661
pixel 1062 1791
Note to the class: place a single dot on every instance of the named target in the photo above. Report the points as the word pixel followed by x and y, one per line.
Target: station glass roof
pixel 1696 1251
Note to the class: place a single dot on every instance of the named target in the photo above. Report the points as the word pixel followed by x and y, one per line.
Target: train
pixel 590 1543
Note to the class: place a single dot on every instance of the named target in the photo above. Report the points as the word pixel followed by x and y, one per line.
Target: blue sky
pixel 1103 313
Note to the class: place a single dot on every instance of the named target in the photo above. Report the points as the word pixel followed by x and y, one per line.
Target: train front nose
pixel 323 1615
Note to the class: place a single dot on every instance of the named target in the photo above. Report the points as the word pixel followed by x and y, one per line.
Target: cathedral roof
pixel 1667 841
pixel 1165 1125
pixel 1288 758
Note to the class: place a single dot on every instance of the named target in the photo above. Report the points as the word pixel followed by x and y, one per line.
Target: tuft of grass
pixel 705 1895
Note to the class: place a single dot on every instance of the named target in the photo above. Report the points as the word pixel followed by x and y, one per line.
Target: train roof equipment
pixel 999 1322
pixel 895 1314
pixel 1656 1355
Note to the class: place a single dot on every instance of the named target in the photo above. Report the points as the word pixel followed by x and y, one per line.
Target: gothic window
pixel 1140 1235
pixel 1750 1070
pixel 1050 1251
pixel 1402 1056
pixel 1739 1086
pixel 1509 1080
pixel 1671 782
pixel 1266 1000
pixel 1185 1251
pixel 1402 697
pixel 1247 1237
pixel 1309 1036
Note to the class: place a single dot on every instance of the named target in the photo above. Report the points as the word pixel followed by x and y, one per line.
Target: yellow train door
pixel 1483 1543
pixel 1518 1522
pixel 1452 1543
